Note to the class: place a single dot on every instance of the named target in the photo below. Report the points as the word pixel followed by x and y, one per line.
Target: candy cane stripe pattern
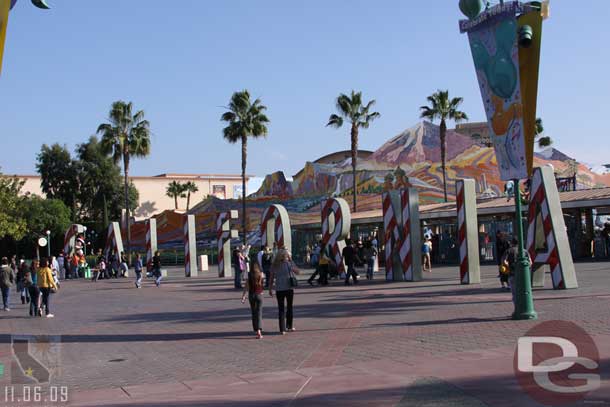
pixel 402 235
pixel 470 272
pixel 390 227
pixel 190 246
pixel 544 201
pixel 151 241
pixel 70 237
pixel 405 252
pixel 224 234
pixel 336 224
pixel 275 219
pixel 114 241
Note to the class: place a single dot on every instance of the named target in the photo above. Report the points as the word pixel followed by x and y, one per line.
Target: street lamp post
pixel 48 232
pixel 85 239
pixel 505 44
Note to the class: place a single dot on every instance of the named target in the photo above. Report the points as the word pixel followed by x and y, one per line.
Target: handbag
pixel 292 279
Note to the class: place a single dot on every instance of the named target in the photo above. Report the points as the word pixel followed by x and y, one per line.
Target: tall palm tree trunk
pixel 176 202
pixel 244 156
pixel 128 226
pixel 443 135
pixel 188 201
pixel 354 134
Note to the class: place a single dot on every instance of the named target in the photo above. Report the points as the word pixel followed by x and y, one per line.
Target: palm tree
pixel 352 109
pixel 175 190
pixel 246 119
pixel 443 108
pixel 190 188
pixel 126 135
pixel 543 141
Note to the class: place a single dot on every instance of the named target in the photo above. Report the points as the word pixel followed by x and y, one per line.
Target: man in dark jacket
pixel 7 280
pixel 350 257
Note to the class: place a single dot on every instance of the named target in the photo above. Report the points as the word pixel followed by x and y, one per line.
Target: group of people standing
pixel 35 282
pixel 354 253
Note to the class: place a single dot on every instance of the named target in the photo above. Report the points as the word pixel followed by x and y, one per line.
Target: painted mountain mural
pixel 415 150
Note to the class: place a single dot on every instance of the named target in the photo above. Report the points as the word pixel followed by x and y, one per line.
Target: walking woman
pixel 283 273
pixel 30 280
pixel 254 290
pixel 47 285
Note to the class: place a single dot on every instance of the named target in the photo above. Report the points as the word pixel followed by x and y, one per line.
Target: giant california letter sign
pixel 70 238
pixel 151 241
pixel 468 234
pixel 114 241
pixel 224 234
pixel 190 245
pixel 547 240
pixel 402 237
pixel 275 227
pixel 336 224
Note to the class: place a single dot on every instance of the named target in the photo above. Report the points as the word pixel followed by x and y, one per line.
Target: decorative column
pixel 468 234
pixel 190 246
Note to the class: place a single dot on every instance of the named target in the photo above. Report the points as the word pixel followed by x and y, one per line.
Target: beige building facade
pixel 152 190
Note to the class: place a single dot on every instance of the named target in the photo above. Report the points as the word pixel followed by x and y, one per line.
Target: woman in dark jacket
pixel 254 290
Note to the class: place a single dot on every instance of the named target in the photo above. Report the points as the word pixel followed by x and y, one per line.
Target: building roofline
pixel 157 177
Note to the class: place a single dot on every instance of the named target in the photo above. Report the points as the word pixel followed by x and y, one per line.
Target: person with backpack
pixel 253 290
pixel 266 265
pixel 7 280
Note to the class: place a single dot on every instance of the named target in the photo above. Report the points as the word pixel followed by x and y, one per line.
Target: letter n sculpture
pixel 547 239
pixel 70 238
pixel 402 235
pixel 151 241
pixel 224 234
pixel 114 241
pixel 468 236
pixel 275 227
pixel 336 224
pixel 190 245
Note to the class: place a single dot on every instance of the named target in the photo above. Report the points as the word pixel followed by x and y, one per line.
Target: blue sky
pixel 181 63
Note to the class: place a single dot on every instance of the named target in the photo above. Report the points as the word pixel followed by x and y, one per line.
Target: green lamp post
pixel 500 38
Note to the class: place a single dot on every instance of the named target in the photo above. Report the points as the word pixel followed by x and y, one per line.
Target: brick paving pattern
pixel 169 345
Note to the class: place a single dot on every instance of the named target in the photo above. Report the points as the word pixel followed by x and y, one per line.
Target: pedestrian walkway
pixel 189 342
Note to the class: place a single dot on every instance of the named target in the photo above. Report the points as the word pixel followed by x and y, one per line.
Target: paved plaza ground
pixel 189 342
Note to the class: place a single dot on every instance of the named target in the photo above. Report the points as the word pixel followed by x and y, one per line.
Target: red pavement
pixel 189 343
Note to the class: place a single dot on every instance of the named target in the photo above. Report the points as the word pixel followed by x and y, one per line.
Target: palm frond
pixel 335 121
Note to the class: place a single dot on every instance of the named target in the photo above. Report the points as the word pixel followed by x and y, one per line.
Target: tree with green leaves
pixel 44 214
pixel 101 185
pixel 58 175
pixel 175 190
pixel 245 119
pixel 190 188
pixel 358 114
pixel 12 224
pixel 444 108
pixel 125 136
pixel 543 141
